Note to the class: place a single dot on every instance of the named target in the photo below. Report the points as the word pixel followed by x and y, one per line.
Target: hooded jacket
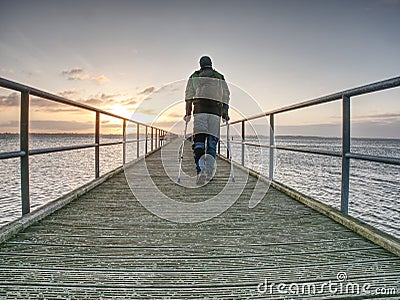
pixel 208 92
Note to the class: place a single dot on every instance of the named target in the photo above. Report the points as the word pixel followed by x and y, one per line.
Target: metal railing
pixel 345 154
pixel 156 139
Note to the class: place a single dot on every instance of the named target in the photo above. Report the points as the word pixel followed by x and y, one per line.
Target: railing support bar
pixel 145 144
pixel 344 204
pixel 271 145
pixel 152 139
pixel 227 142
pixel 156 140
pixel 97 147
pixel 124 141
pixel 24 146
pixel 243 140
pixel 137 140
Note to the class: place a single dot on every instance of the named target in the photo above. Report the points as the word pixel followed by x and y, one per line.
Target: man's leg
pixel 212 142
pixel 198 149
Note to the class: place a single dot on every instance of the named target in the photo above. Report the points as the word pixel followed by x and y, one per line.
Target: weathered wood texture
pixel 106 244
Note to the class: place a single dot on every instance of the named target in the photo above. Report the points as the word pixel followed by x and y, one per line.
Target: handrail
pixel 345 154
pixel 25 152
pixel 358 91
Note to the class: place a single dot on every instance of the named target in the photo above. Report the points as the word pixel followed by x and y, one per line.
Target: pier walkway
pixel 106 244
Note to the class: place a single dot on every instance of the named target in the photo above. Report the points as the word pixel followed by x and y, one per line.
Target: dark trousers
pixel 200 140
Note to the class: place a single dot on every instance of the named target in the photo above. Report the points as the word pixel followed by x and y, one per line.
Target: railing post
pixel 219 146
pixel 271 146
pixel 97 147
pixel 123 141
pixel 145 144
pixel 243 140
pixel 152 139
pixel 137 140
pixel 24 146
pixel 227 142
pixel 344 204
pixel 157 138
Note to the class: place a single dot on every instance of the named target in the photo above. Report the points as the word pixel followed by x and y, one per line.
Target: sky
pixel 114 54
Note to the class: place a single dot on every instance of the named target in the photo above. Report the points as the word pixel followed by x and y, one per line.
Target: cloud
pixel 100 99
pixel 174 115
pixel 108 101
pixel 100 79
pixel 93 101
pixel 11 100
pixel 75 74
pixel 68 93
pixel 148 90
pixel 371 118
pixel 36 103
pixel 111 126
pixel 80 74
pixel 381 117
pixel 52 125
pixel 132 101
pixel 103 101
pixel 148 111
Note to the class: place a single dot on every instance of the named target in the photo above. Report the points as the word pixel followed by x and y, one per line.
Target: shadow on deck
pixel 106 244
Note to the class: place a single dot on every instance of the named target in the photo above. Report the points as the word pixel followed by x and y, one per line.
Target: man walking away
pixel 208 94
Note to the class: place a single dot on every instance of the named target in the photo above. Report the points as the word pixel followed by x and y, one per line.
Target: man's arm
pixel 225 92
pixel 189 96
pixel 225 99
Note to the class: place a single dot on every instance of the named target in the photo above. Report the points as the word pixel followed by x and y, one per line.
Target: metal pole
pixel 152 138
pixel 97 147
pixel 137 140
pixel 229 150
pixel 158 138
pixel 243 140
pixel 219 146
pixel 344 205
pixel 163 137
pixel 145 145
pixel 124 141
pixel 24 146
pixel 271 144
pixel 155 137
pixel 181 151
pixel 227 141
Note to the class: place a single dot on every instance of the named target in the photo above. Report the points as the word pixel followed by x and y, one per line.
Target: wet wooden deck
pixel 106 244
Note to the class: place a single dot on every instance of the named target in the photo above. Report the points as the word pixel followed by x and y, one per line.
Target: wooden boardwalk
pixel 106 244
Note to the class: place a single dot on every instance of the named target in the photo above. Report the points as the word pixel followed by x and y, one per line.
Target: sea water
pixel 374 187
